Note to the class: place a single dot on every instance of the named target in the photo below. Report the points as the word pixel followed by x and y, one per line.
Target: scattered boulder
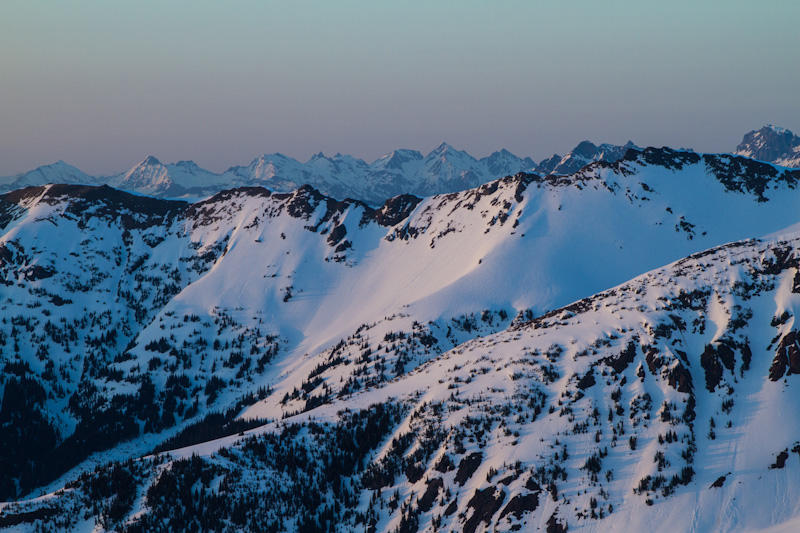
pixel 425 503
pixel 485 503
pixel 780 460
pixel 553 524
pixel 587 381
pixel 719 482
pixel 786 356
pixel 520 504
pixel 621 362
pixel 467 467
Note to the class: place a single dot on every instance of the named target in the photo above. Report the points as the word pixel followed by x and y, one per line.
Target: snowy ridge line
pixel 443 170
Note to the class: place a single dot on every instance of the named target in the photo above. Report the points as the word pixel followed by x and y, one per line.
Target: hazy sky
pixel 103 84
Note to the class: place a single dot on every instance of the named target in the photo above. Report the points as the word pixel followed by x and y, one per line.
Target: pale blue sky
pixel 103 84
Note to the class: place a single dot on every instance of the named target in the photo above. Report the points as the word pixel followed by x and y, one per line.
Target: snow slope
pixel 642 407
pixel 279 304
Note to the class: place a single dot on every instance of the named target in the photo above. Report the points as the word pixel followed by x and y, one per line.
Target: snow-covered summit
pixel 396 159
pixel 585 153
pixel 58 172
pixel 154 178
pixel 771 144
pixel 503 162
pixel 443 170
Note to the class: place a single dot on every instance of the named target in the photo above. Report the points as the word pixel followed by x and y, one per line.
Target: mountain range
pixel 443 170
pixel 612 348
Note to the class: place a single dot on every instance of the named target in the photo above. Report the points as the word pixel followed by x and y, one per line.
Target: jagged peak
pixel 775 129
pixel 188 164
pixel 767 130
pixel 442 149
pixel 268 158
pixel 585 149
pixel 771 144
pixel 263 160
pixel 396 158
pixel 501 153
pixel 149 161
pixel 403 152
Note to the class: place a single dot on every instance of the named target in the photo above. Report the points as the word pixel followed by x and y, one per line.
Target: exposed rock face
pixel 787 355
pixel 771 144
pixel 585 153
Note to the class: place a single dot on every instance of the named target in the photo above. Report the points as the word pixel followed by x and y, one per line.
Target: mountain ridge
pixel 403 171
pixel 443 170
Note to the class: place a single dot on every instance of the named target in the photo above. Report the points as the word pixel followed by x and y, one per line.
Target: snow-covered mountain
pixel 583 154
pixel 772 144
pixel 59 172
pixel 443 170
pixel 438 362
pixel 153 178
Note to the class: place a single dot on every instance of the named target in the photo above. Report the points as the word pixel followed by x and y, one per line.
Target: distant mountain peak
pixel 585 153
pixel 776 129
pixel 444 169
pixel 771 144
pixel 397 158
pixel 442 148
pixel 60 164
pixel 502 153
pixel 58 172
pixel 586 149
